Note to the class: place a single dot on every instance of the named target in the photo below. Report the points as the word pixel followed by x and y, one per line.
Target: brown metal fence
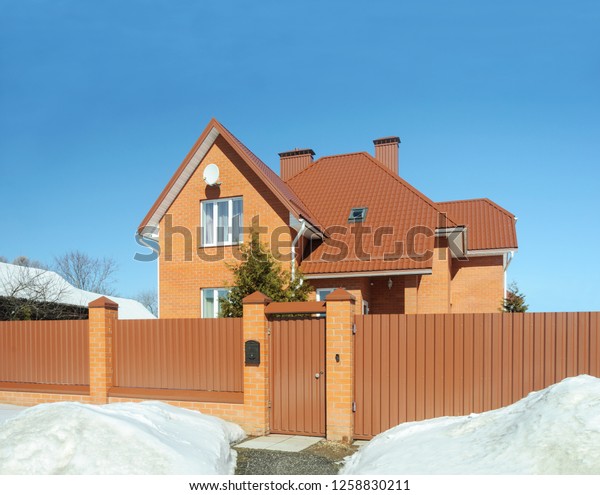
pixel 414 367
pixel 179 354
pixel 44 352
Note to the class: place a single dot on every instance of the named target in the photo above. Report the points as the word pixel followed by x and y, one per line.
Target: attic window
pixel 357 215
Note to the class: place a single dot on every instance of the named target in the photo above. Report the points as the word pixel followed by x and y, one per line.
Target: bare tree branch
pixel 149 299
pixel 87 273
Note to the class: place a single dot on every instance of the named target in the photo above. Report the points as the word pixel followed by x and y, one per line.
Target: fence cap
pixel 257 298
pixel 103 302
pixel 340 295
pixel 305 307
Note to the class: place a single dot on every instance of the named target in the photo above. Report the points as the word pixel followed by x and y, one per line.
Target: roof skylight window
pixel 357 215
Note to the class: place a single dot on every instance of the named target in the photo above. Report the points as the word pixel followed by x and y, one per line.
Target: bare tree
pixel 3 259
pixel 34 294
pixel 26 261
pixel 87 273
pixel 149 299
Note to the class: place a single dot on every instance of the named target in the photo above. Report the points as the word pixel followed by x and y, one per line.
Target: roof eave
pixel 381 273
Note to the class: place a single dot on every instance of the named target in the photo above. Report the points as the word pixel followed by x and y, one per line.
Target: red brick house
pixel 347 221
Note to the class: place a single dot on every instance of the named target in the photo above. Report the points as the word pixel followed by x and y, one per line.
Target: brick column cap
pixel 340 295
pixel 257 298
pixel 103 302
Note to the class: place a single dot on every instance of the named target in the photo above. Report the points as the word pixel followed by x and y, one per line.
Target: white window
pixel 221 222
pixel 211 302
pixel 365 307
pixel 323 293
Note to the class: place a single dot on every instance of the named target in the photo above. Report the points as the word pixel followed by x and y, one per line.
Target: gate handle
pixel 318 375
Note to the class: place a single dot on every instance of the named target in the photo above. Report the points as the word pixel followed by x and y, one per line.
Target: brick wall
pixel 339 341
pixel 474 286
pixel 477 285
pixel 181 280
pixel 433 294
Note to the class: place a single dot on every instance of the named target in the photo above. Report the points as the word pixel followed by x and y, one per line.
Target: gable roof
pixel 192 160
pixel 333 185
pixel 25 282
pixel 324 193
pixel 489 225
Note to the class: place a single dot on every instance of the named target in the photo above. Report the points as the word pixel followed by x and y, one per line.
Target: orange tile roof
pixel 326 191
pixel 297 205
pixel 333 185
pixel 489 226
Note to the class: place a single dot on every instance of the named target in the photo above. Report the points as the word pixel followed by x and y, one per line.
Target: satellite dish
pixel 211 175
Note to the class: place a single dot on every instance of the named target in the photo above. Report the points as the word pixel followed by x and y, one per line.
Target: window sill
pixel 220 245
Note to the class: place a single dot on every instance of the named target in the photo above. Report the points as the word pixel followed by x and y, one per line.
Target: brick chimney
pixel 386 151
pixel 293 162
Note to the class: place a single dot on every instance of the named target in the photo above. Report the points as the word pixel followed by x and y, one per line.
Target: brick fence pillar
pixel 256 377
pixel 339 341
pixel 103 314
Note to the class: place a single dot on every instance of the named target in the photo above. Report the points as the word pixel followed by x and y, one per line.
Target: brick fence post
pixel 103 314
pixel 256 377
pixel 339 341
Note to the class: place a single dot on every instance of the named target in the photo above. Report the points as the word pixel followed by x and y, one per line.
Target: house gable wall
pixel 186 267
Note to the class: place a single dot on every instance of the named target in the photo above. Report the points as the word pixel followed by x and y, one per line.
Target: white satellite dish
pixel 211 175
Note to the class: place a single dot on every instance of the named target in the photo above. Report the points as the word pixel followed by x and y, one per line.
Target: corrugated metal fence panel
pixel 179 354
pixel 415 367
pixel 298 398
pixel 44 352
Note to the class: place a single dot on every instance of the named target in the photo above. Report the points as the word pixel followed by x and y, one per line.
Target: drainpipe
pixel 294 242
pixel 508 257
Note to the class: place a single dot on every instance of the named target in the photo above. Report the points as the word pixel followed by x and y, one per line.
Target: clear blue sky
pixel 100 101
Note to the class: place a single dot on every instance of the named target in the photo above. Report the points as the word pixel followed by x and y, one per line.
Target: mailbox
pixel 252 353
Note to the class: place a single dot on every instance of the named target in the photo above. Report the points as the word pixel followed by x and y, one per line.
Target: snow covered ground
pixel 124 438
pixel 553 431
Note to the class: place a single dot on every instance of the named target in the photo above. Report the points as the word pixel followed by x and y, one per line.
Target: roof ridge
pixel 311 165
pixel 399 179
pixel 252 155
pixel 410 187
pixel 487 200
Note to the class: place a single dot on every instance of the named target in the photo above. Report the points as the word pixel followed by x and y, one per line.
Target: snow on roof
pixel 28 283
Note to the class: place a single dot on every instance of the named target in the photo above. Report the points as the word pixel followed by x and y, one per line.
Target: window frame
pixel 215 291
pixel 215 217
pixel 352 219
pixel 318 296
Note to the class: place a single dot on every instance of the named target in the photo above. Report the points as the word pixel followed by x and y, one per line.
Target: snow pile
pixel 553 431
pixel 125 438
pixel 8 411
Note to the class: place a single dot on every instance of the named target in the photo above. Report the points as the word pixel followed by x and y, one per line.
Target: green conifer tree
pixel 259 271
pixel 514 302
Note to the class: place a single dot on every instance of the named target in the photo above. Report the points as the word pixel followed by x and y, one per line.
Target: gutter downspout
pixel 508 257
pixel 294 243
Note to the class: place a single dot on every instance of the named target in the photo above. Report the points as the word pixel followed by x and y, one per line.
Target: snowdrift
pixel 553 431
pixel 125 438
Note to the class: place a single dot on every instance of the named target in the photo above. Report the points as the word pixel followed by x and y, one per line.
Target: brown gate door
pixel 297 376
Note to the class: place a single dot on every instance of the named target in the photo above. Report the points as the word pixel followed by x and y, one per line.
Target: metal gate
pixel 297 376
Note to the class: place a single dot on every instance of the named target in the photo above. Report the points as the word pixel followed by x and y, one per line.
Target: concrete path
pixel 284 443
